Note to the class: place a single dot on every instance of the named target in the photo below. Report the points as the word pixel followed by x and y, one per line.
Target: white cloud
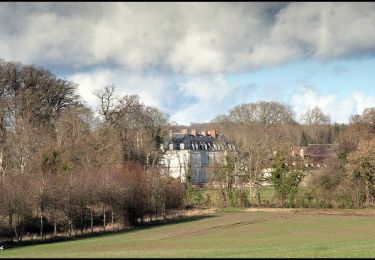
pixel 153 90
pixel 196 53
pixel 207 88
pixel 339 109
pixel 362 101
pixel 306 97
pixel 88 82
pixel 200 99
pixel 196 99
pixel 211 97
pixel 192 38
pixel 149 44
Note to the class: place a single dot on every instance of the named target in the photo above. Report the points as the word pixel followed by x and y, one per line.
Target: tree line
pixel 265 131
pixel 64 170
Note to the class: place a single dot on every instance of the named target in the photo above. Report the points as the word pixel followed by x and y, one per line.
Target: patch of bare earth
pixel 343 212
pixel 196 212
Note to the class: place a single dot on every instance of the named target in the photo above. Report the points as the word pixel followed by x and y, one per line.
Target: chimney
pixel 194 132
pixel 184 131
pixel 212 133
pixel 204 132
pixel 170 133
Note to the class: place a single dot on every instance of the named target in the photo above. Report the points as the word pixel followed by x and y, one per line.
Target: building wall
pixel 176 163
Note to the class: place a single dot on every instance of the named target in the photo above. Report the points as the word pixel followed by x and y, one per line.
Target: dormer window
pixel 182 146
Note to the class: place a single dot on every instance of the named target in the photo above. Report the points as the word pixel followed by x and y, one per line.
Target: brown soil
pixel 343 212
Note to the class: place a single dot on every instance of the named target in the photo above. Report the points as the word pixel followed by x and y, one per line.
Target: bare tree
pixel 361 166
pixel 368 116
pixel 317 126
pixel 258 130
pixel 316 116
pixel 23 143
pixel 139 127
pixel 261 112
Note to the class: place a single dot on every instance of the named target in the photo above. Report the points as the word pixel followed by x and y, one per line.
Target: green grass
pixel 230 209
pixel 227 234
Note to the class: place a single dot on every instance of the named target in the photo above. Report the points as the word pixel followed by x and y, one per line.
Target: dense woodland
pixel 62 169
pixel 66 169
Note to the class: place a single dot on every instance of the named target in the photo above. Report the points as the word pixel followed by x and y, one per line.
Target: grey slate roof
pixel 199 141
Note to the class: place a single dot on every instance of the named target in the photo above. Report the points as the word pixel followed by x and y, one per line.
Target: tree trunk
pixel 81 220
pixel 41 224
pixel 70 216
pixel 11 226
pixel 104 217
pixel 91 221
pixel 112 218
pixel 55 227
pixel 251 193
pixel 224 196
pixel 357 201
pixel 2 172
pixel 367 193
pixel 15 232
pixel 15 228
pixel 54 221
pixel 137 141
pixel 258 196
pixel 70 227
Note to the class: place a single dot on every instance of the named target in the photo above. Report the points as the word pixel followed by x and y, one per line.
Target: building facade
pixel 315 155
pixel 193 155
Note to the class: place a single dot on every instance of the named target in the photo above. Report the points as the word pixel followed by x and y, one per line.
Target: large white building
pixel 194 153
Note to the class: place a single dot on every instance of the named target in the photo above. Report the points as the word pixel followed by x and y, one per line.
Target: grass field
pixel 228 234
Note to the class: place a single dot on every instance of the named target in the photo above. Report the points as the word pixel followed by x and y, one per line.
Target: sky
pixel 197 60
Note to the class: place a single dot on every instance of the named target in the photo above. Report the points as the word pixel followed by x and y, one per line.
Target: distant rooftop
pixel 320 150
pixel 203 140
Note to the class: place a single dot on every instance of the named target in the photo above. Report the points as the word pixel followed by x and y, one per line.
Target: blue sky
pixel 339 77
pixel 197 60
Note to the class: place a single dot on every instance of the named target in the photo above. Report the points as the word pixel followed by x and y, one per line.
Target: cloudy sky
pixel 196 60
